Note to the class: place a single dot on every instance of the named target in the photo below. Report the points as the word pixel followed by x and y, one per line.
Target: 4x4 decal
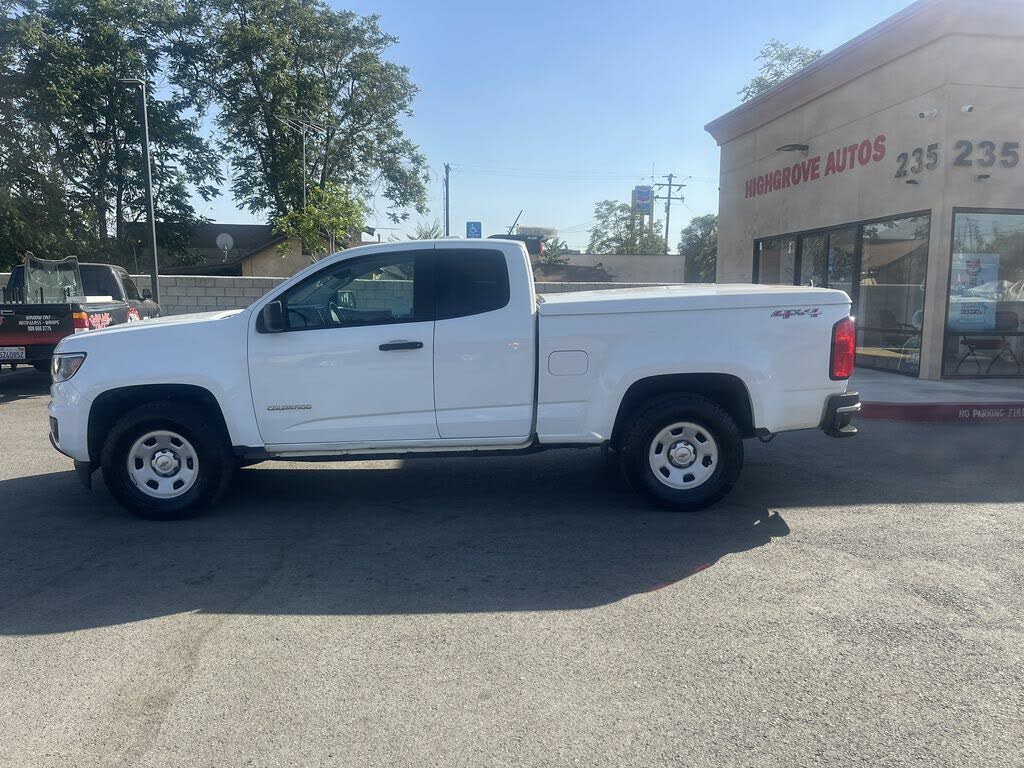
pixel 785 314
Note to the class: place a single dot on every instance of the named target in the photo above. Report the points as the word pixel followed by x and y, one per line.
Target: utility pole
pixel 668 198
pixel 140 88
pixel 447 228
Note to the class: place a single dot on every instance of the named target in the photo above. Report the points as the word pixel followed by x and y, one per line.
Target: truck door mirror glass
pixel 147 294
pixel 272 318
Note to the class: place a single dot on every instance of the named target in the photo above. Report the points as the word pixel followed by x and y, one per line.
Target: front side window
pixel 985 323
pixel 130 289
pixel 374 290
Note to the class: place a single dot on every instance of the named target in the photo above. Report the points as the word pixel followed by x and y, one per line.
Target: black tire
pixel 205 437
pixel 712 421
pixel 43 366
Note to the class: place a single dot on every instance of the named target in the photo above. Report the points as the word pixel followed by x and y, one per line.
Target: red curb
pixel 948 412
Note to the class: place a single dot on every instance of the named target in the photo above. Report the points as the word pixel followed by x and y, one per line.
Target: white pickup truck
pixel 443 347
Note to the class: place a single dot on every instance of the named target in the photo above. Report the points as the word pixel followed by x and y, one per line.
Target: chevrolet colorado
pixel 443 347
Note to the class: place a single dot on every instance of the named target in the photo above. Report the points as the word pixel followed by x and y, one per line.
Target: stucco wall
pixel 272 262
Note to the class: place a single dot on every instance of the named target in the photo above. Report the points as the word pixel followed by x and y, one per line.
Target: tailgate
pixel 27 325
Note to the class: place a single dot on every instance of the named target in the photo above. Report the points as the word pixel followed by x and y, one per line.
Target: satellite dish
pixel 225 241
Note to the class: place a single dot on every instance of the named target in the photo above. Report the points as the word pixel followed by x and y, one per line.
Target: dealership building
pixel 892 168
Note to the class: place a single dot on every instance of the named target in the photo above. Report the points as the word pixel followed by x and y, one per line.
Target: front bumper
pixel 839 412
pixel 69 414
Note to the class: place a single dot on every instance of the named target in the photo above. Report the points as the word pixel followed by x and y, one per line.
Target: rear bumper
pixel 839 412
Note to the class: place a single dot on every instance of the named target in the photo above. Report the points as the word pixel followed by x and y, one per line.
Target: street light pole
pixel 140 87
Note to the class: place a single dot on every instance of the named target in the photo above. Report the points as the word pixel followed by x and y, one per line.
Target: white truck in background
pixel 443 347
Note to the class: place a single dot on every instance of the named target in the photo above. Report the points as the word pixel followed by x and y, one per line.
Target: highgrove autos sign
pixel 811 169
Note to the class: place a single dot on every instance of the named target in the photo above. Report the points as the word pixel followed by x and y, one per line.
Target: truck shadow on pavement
pixel 21 384
pixel 552 531
pixel 539 533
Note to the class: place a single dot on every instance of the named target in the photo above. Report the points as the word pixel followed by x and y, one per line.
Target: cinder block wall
pixel 180 294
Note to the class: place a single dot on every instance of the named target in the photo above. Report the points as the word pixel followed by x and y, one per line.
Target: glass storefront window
pixel 881 265
pixel 814 260
pixel 842 255
pixel 776 261
pixel 890 307
pixel 984 333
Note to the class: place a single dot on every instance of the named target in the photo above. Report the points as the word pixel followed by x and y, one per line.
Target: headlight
pixel 63 367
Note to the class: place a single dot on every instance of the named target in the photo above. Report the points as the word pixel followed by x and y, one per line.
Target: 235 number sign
pixel 984 155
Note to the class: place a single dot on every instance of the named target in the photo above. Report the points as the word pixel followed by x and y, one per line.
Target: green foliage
pixel 268 63
pixel 617 229
pixel 330 215
pixel 698 245
pixel 778 61
pixel 70 138
pixel 554 252
pixel 425 231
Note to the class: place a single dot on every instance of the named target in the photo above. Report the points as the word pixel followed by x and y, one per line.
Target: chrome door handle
pixel 391 346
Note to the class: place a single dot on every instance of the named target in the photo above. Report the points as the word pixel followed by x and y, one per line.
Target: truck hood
pixel 157 326
pixel 699 296
pixel 142 326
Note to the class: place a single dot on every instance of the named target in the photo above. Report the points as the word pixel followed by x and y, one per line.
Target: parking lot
pixel 853 602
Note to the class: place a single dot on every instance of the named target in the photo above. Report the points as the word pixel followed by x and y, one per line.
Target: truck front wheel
pixel 166 461
pixel 685 452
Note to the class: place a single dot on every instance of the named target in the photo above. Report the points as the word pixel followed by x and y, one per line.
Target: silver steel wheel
pixel 163 464
pixel 683 455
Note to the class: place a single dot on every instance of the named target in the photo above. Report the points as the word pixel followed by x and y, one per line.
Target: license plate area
pixel 12 353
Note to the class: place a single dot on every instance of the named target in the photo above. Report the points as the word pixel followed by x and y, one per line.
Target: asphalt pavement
pixel 854 602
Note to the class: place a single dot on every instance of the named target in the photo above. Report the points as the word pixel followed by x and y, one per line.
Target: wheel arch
pixel 724 389
pixel 109 406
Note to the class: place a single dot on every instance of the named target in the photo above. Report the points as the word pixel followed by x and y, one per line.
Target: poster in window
pixel 973 292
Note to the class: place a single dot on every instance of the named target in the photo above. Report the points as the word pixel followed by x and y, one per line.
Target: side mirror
pixel 272 318
pixel 147 294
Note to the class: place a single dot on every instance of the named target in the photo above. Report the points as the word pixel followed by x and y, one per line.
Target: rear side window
pixel 470 282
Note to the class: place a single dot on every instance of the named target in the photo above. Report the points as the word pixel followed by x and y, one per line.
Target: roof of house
pixel 247 239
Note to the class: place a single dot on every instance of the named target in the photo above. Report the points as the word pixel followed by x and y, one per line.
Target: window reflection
pixel 986 296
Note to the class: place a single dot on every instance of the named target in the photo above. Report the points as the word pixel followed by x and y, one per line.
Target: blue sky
pixel 552 106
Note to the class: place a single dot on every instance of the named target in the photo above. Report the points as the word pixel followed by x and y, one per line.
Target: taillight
pixel 79 321
pixel 844 348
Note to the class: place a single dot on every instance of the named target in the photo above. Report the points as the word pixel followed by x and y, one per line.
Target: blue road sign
pixel 474 229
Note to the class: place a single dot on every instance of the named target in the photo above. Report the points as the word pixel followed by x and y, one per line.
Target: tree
pixel 617 229
pixel 70 158
pixel 698 245
pixel 424 231
pixel 554 252
pixel 272 65
pixel 778 61
pixel 330 214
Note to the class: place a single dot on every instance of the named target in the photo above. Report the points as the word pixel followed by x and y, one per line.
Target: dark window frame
pixel 949 287
pixel 857 265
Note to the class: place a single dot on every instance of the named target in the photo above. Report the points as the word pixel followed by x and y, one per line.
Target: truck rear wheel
pixel 166 461
pixel 684 452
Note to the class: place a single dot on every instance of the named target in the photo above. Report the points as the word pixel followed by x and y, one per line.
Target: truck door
pixel 484 344
pixel 355 363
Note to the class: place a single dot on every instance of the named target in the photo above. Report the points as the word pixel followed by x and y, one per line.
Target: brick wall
pixel 180 294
